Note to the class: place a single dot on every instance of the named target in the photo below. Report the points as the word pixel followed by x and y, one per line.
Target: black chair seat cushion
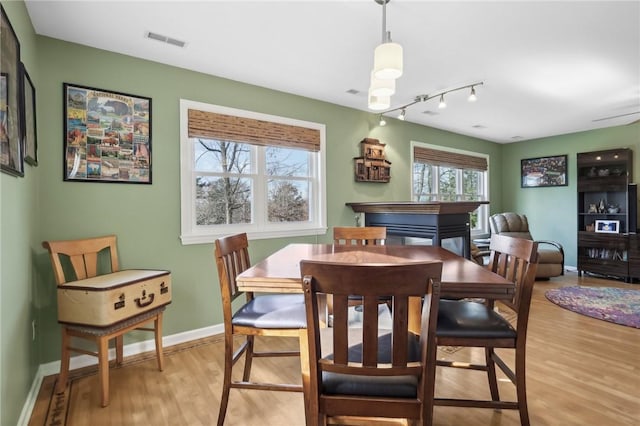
pixel 458 318
pixel 273 311
pixel 392 386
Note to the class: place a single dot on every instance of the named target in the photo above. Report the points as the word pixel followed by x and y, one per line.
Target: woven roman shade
pixel 450 159
pixel 211 125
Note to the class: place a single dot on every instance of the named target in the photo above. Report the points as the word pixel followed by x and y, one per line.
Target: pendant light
pixel 387 60
pixel 382 87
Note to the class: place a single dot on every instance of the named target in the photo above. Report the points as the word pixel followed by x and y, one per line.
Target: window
pixel 451 175
pixel 243 171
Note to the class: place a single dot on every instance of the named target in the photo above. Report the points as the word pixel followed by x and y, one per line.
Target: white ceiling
pixel 548 68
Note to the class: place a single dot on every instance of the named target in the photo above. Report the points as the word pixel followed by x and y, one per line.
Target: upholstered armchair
pixel 550 253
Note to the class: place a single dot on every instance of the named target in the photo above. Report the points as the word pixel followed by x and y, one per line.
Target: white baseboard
pixel 86 360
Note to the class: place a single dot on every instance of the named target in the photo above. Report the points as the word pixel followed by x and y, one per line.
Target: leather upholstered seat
pixel 473 320
pixel 272 311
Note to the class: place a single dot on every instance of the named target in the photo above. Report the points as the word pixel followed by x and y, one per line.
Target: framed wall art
pixel 544 171
pixel 11 153
pixel 107 136
pixel 30 145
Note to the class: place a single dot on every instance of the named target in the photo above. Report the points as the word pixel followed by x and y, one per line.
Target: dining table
pixel 461 277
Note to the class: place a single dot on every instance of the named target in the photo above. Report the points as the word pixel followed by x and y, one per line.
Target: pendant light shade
pixel 378 103
pixel 387 61
pixel 382 87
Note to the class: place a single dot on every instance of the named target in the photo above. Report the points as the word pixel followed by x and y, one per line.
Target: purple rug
pixel 611 304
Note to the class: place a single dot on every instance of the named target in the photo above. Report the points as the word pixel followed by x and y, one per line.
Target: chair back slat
pixel 359 235
pixel 83 256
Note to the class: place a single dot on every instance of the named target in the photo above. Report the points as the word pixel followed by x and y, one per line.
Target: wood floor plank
pixel 580 371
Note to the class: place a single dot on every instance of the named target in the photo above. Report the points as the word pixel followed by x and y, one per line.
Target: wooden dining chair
pixel 359 235
pixel 269 315
pixel 87 258
pixel 473 324
pixel 358 374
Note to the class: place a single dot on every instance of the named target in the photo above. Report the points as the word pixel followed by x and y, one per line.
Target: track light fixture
pixel 440 95
pixel 383 122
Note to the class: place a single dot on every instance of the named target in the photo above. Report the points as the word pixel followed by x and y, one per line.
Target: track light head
pixel 472 96
pixel 383 122
pixel 402 114
pixel 442 104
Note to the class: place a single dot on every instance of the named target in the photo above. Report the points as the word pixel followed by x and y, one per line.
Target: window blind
pixel 450 159
pixel 211 125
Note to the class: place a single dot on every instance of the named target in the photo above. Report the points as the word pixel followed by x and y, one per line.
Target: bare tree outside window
pixel 224 195
pixel 288 186
pixel 226 177
pixel 450 184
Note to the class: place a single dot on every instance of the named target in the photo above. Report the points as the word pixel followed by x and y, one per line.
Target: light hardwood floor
pixel 580 371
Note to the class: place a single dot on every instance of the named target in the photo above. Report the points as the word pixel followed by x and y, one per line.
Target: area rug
pixel 617 305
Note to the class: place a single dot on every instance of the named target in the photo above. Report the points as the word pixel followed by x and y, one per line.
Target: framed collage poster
pixel 107 136
pixel 11 154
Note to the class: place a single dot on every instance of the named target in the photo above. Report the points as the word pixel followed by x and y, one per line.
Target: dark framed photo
pixel 30 145
pixel 608 226
pixel 544 171
pixel 107 136
pixel 11 153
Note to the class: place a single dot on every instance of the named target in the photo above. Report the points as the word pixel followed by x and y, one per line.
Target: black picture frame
pixel 29 123
pixel 107 136
pixel 544 172
pixel 11 152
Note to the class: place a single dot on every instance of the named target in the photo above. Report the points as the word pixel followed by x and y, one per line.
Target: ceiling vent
pixel 429 112
pixel 353 91
pixel 165 39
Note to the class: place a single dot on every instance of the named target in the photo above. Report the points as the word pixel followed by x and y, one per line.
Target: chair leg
pixel 64 362
pixel 248 358
pixel 226 382
pixel 119 349
pixel 158 337
pixel 430 388
pixel 103 369
pixel 521 389
pixel 491 374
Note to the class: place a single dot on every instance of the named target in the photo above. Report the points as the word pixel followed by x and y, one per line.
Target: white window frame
pixel 483 210
pixel 260 228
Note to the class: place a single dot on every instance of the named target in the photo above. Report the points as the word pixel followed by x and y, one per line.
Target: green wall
pixel 552 212
pixel 19 241
pixel 146 218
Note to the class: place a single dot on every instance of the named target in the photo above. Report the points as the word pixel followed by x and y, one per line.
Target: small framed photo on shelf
pixel 608 226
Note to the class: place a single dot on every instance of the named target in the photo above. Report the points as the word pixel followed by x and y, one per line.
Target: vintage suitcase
pixel 111 298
